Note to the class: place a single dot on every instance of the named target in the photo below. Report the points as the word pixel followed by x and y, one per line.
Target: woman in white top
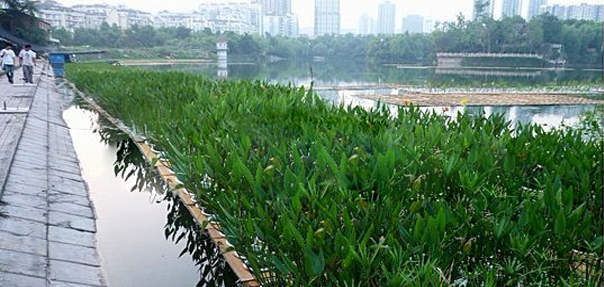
pixel 8 61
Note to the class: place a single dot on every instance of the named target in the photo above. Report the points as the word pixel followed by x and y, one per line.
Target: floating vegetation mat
pixel 314 194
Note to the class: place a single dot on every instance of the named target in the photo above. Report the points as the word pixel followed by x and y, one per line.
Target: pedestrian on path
pixel 27 59
pixel 8 61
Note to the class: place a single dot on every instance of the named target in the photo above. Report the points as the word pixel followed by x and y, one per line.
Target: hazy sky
pixel 351 9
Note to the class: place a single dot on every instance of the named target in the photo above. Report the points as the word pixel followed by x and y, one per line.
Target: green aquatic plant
pixel 315 194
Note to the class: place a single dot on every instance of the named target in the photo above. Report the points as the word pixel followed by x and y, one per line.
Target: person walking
pixel 8 61
pixel 27 59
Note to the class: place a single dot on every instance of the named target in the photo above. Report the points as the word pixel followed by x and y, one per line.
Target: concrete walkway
pixel 47 222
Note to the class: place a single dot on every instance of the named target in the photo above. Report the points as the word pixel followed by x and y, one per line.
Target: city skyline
pixel 351 10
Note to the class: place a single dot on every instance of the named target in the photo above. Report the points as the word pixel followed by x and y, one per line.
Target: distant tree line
pixel 581 41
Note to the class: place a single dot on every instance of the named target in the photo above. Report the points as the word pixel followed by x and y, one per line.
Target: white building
pixel 198 23
pixel 386 18
pixel 429 25
pixel 413 24
pixel 577 12
pixel 166 19
pixel 130 17
pixel 91 16
pixel 585 12
pixel 240 18
pixel 64 17
pixel 277 18
pixel 534 6
pixel 275 7
pixel 511 8
pixel 555 10
pixel 280 25
pixel 327 17
pixel 366 25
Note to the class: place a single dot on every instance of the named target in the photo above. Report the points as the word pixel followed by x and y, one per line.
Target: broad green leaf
pixel 560 224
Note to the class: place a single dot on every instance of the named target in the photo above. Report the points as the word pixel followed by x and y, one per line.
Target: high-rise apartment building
pixel 555 10
pixel 483 8
pixel 277 18
pixel 327 17
pixel 511 8
pixel 585 12
pixel 534 7
pixel 281 25
pixel 429 25
pixel 240 18
pixel 276 7
pixel 365 25
pixel 577 12
pixel 413 24
pixel 91 16
pixel 387 18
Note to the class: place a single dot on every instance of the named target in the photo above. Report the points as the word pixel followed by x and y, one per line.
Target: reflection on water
pixel 350 73
pixel 133 226
pixel 180 226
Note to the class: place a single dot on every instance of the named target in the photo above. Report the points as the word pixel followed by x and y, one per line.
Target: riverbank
pixel 47 221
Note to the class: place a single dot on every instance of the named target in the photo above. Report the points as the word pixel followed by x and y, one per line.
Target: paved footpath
pixel 47 222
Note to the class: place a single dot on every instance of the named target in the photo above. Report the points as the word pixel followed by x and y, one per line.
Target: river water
pixel 138 222
pixel 347 73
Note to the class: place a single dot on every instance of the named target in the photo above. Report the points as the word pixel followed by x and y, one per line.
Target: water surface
pixel 142 230
pixel 350 73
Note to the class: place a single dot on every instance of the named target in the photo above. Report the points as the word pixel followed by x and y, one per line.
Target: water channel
pixel 143 232
pixel 145 237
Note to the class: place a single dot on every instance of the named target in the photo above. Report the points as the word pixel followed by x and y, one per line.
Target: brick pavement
pixel 47 222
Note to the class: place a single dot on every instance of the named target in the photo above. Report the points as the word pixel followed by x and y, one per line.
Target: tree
pixel 552 28
pixel 19 9
pixel 63 35
pixel 535 35
pixel 481 9
pixel 320 49
pixel 109 36
pixel 183 33
pixel 19 18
